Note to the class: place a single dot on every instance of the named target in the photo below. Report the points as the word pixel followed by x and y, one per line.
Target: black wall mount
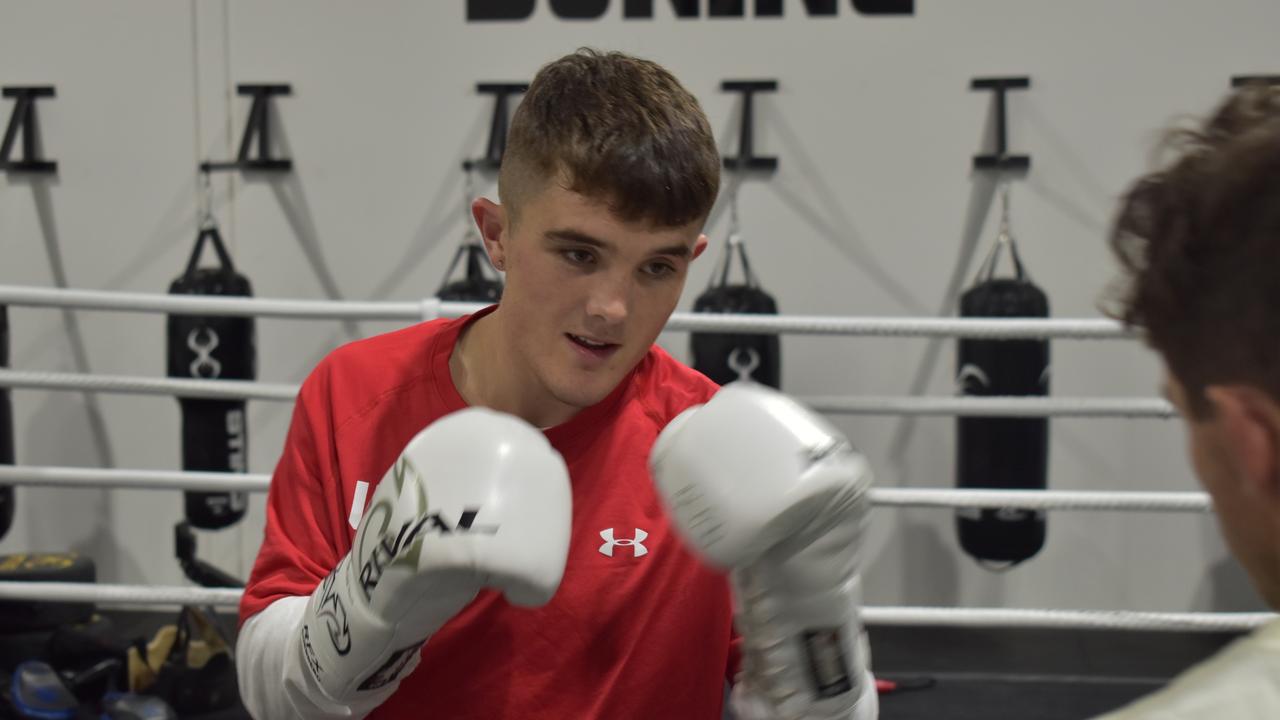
pixel 23 120
pixel 1001 159
pixel 498 126
pixel 1242 80
pixel 746 158
pixel 257 127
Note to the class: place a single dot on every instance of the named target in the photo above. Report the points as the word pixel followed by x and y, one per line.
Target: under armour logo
pixel 203 341
pixel 636 543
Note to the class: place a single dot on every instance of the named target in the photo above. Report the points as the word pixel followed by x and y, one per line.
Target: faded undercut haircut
pixel 1199 241
pixel 618 130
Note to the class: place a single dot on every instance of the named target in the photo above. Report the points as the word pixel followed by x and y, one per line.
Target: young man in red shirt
pixel 517 560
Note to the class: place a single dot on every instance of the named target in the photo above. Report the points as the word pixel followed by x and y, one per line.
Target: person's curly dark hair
pixel 1199 241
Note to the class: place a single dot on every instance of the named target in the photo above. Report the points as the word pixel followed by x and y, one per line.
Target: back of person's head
pixel 1199 240
pixel 617 129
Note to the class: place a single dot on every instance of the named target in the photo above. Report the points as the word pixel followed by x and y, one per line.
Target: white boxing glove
pixel 477 500
pixel 759 485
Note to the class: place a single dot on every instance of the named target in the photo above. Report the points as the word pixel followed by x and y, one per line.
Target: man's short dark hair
pixel 616 129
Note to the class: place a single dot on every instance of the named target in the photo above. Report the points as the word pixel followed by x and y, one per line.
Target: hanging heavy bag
pixel 214 432
pixel 7 497
pixel 726 357
pixel 477 285
pixel 1001 452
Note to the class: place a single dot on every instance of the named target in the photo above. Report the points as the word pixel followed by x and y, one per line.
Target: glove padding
pixel 761 486
pixel 477 500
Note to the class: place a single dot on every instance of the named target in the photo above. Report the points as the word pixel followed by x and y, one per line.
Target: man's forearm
pixel 274 684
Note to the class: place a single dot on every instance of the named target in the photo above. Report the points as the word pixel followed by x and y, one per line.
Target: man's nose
pixel 610 299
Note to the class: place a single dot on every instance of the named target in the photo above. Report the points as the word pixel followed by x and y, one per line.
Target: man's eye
pixel 659 269
pixel 579 257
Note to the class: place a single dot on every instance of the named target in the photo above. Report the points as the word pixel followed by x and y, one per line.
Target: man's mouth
pixel 595 348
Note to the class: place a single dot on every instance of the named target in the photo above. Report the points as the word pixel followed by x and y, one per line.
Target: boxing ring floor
pixel 1028 673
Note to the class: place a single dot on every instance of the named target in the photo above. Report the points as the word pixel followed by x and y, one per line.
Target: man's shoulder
pixel 366 369
pixel 668 387
pixel 1241 682
pixel 405 349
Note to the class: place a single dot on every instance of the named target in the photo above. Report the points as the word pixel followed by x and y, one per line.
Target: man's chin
pixel 578 398
pixel 583 395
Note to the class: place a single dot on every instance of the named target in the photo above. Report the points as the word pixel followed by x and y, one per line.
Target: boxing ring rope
pixel 856 405
pixel 127 479
pixel 183 387
pixel 971 406
pixel 1082 500
pixel 117 594
pixel 100 300
pixel 143 595
pixel 428 308
pixel 1062 619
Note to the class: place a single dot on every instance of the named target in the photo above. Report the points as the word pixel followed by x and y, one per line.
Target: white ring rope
pixel 1003 329
pixel 1127 501
pixel 117 594
pixel 888 615
pixel 115 478
pixel 178 387
pixel 862 405
pixel 231 306
pixel 974 406
pixel 1079 329
pixel 1088 500
pixel 1064 619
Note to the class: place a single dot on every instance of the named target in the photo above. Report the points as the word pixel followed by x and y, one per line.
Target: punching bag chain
pixel 470 234
pixel 735 226
pixel 1004 241
pixel 1005 236
pixel 206 200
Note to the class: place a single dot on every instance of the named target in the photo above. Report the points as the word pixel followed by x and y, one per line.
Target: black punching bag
pixel 214 432
pixel 6 429
pixel 1002 452
pixel 726 357
pixel 477 285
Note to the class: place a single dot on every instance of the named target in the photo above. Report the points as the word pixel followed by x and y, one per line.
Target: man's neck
pixel 487 373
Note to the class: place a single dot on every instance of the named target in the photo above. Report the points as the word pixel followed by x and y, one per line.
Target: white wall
pixel 874 125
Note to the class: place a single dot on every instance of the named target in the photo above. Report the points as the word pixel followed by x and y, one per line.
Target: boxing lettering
pixel 391 669
pixel 335 616
pixel 309 653
pixel 828 670
pixel 407 543
pixel 235 441
pixel 518 10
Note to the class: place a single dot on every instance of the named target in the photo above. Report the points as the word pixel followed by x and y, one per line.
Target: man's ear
pixel 1248 419
pixel 491 221
pixel 699 246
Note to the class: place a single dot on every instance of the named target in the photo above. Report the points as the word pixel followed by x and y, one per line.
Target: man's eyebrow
pixel 568 235
pixel 680 251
